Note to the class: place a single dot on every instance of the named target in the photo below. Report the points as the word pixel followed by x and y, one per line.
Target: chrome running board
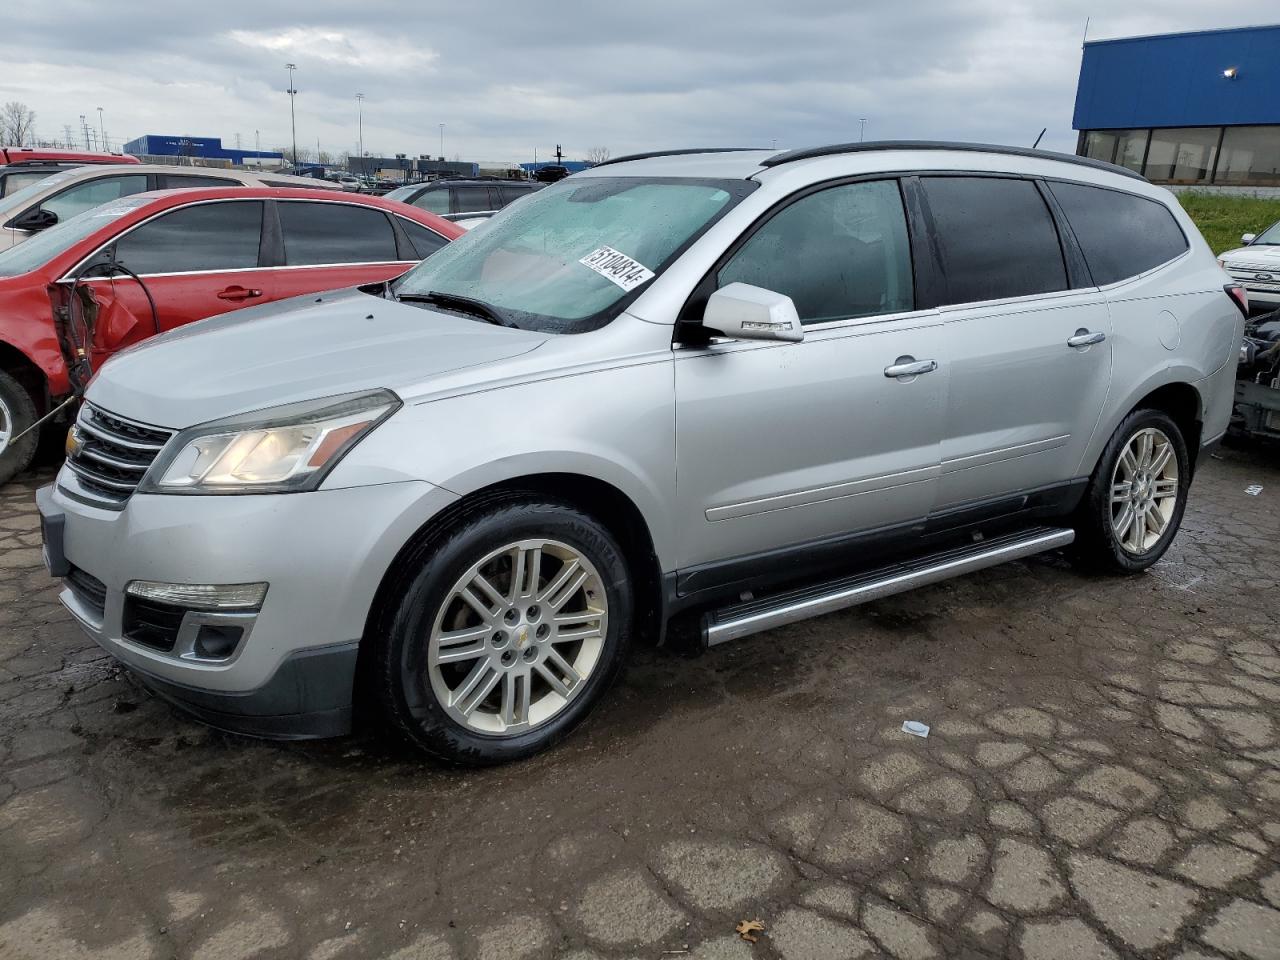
pixel 753 616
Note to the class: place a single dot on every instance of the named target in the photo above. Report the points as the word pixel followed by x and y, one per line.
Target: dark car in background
pixel 463 199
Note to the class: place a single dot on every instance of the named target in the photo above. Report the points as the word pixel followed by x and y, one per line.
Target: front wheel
pixel 17 413
pixel 1136 497
pixel 505 633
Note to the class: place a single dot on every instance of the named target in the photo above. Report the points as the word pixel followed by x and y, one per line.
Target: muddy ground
pixel 1102 778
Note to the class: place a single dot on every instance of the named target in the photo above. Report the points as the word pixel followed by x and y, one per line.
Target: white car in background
pixel 1257 266
pixel 62 195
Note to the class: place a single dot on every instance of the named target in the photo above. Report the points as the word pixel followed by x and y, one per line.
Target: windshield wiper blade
pixel 453 301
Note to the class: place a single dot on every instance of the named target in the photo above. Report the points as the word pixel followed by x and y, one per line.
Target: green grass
pixel 1222 219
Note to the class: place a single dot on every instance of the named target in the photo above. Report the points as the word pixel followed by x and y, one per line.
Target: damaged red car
pixel 91 286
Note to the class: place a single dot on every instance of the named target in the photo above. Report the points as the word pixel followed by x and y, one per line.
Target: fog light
pixel 201 596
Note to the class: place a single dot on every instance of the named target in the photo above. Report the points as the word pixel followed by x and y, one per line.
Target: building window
pixel 1182 155
pixel 1124 147
pixel 1250 155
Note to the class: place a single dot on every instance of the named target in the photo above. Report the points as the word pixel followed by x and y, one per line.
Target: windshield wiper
pixel 453 301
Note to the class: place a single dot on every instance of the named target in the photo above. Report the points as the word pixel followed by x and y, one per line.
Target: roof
pixel 1177 80
pixel 745 164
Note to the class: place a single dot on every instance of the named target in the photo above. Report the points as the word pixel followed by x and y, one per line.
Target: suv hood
pixel 296 349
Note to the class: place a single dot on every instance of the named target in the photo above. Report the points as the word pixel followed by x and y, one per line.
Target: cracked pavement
pixel 1102 779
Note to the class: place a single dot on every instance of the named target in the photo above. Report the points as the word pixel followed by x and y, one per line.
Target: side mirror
pixel 34 220
pixel 752 313
pixel 1248 238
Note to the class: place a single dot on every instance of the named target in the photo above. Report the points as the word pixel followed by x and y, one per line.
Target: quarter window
pixel 205 237
pixel 15 181
pixel 839 253
pixel 94 193
pixel 1120 234
pixel 316 233
pixel 425 242
pixel 996 238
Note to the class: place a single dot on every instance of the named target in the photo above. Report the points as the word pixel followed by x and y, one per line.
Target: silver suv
pixel 756 385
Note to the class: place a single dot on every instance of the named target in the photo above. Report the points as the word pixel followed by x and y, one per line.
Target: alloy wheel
pixel 1144 491
pixel 517 637
pixel 6 425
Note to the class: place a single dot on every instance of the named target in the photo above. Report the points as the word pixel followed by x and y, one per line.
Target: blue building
pixel 208 148
pixel 1185 108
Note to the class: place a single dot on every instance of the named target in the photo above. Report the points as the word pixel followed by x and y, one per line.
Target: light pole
pixel 862 128
pixel 102 127
pixel 442 141
pixel 293 117
pixel 360 127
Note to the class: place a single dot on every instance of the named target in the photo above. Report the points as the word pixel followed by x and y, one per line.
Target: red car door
pixel 332 244
pixel 196 261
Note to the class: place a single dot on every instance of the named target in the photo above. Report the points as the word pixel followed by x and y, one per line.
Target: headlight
pixel 280 450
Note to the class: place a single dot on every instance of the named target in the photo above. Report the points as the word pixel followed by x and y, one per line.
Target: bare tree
pixel 325 157
pixel 17 123
pixel 598 154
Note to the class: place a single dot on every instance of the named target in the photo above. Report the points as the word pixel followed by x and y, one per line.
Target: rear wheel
pixel 17 413
pixel 1137 495
pixel 505 632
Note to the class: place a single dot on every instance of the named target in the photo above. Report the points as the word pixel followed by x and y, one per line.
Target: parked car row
pixel 149 261
pixel 750 385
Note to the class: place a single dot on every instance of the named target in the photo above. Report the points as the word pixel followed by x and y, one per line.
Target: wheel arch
pixel 23 369
pixel 1179 398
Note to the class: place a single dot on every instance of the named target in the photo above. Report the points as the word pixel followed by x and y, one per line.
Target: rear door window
pixel 996 238
pixel 206 237
pixel 1121 235
pixel 511 191
pixel 838 253
pixel 318 233
pixel 93 193
pixel 472 199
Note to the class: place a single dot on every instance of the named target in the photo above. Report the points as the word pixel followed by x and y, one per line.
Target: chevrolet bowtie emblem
pixel 523 637
pixel 74 441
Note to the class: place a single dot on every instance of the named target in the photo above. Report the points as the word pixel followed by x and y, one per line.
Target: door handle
pixel 905 367
pixel 1083 338
pixel 238 293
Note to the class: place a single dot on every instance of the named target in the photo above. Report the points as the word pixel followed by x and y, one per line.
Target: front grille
pixel 112 455
pixel 152 624
pixel 89 590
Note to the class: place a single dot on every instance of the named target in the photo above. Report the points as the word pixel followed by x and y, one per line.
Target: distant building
pixel 409 168
pixel 1185 108
pixel 164 149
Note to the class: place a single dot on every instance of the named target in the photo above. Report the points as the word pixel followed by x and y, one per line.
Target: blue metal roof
pixel 1176 80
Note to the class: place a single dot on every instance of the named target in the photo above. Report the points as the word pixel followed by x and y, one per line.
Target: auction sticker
pixel 617 267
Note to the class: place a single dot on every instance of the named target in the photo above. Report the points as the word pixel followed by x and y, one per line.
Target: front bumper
pixel 323 555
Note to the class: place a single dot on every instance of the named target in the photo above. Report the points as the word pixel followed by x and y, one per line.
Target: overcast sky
pixel 507 78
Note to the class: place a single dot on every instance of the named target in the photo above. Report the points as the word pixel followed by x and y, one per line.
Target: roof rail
pixel 673 153
pixel 874 145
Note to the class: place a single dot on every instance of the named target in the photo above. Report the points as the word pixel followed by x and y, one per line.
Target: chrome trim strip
pixel 812 495
pixel 724 626
pixel 102 433
pixel 112 461
pixel 1000 454
pixel 86 474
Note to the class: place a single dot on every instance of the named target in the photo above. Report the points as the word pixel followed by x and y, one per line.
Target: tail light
pixel 1240 296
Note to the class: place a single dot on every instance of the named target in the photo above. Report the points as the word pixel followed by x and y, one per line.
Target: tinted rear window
pixel 210 236
pixel 996 237
pixel 335 233
pixel 425 242
pixel 1121 235
pixel 471 199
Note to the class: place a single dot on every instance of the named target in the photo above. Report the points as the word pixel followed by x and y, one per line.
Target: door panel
pixel 1023 403
pixel 780 444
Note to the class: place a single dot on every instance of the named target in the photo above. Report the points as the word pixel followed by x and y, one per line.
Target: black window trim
pixel 70 274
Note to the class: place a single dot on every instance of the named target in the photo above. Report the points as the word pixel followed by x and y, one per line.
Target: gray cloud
pixel 506 78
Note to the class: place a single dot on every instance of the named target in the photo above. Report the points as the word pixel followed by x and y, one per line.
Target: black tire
pixel 427 575
pixel 1097 547
pixel 21 409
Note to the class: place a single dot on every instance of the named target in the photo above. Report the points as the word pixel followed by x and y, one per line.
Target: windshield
pixel 1269 236
pixel 47 244
pixel 18 200
pixel 569 258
